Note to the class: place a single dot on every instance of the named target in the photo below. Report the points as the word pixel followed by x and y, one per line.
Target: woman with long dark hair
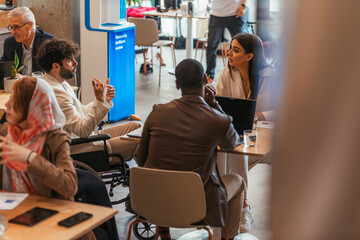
pixel 247 75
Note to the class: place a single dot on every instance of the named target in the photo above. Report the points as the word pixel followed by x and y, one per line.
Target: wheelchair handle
pixel 101 124
pixel 100 137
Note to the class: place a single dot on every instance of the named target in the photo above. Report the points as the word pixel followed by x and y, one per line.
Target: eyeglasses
pixel 15 28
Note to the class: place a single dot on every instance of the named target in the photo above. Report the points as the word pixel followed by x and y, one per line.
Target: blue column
pixel 121 71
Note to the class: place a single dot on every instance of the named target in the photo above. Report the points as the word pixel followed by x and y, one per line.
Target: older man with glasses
pixel 25 41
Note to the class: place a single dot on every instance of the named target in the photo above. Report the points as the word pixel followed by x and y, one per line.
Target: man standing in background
pixel 224 14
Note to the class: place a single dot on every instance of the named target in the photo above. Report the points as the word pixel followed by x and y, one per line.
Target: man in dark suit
pixel 25 41
pixel 184 134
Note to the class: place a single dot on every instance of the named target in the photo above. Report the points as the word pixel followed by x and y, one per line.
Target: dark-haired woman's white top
pixel 232 87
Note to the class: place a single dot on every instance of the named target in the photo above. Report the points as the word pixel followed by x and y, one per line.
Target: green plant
pixel 138 2
pixel 14 68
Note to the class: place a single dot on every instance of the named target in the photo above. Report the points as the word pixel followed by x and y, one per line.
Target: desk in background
pixel 49 228
pixel 178 14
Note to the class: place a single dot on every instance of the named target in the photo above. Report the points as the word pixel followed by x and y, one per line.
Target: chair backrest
pixel 146 31
pixel 167 198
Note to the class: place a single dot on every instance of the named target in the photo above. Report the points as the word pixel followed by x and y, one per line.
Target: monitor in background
pixel 241 110
pixel 5 69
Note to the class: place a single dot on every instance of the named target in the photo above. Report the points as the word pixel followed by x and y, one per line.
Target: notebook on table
pixel 242 111
pixel 136 133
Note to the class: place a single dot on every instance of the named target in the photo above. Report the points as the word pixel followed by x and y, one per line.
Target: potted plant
pixel 15 69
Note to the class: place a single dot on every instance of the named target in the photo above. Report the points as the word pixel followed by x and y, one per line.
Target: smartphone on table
pixel 75 219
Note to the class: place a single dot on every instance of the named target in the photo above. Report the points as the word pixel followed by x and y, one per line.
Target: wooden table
pixel 4 97
pixel 178 14
pixel 49 228
pixel 262 148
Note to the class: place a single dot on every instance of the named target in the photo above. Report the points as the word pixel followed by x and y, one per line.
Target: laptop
pixel 5 70
pixel 241 110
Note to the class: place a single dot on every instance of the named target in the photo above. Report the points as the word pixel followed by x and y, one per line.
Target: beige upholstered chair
pixel 147 35
pixel 167 198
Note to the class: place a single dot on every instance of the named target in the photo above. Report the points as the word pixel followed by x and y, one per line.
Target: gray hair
pixel 26 15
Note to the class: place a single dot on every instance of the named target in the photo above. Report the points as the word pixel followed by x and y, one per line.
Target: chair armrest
pixel 95 138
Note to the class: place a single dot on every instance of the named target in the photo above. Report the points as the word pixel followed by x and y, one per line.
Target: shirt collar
pixel 30 47
pixel 48 77
pixel 193 98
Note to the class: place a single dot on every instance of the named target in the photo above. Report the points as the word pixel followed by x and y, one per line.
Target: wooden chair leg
pixel 196 48
pixel 226 233
pixel 209 232
pixel 130 227
pixel 144 54
pixel 156 233
pixel 160 56
pixel 173 54
pixel 224 52
pixel 202 51
pixel 152 58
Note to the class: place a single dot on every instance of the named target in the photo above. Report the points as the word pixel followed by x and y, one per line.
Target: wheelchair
pixel 97 162
pixel 144 231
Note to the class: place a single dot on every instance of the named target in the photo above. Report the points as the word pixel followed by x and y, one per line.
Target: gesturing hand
pixel 99 89
pixel 110 94
pixel 210 93
pixel 14 151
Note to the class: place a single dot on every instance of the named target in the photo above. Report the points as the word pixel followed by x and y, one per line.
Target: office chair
pixel 167 198
pixel 147 35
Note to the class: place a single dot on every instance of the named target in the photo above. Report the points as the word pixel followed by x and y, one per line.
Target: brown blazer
pixel 183 135
pixel 53 173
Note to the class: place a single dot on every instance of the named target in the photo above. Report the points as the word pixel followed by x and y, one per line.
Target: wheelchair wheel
pixel 84 166
pixel 144 231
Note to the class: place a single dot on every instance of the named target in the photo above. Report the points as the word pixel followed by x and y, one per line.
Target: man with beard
pixel 57 59
pixel 25 41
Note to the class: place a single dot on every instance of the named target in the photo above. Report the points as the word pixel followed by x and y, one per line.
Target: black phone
pixel 33 216
pixel 75 219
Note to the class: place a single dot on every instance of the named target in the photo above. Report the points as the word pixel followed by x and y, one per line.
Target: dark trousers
pixel 217 26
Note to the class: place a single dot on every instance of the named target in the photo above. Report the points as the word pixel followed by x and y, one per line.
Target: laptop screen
pixel 5 69
pixel 241 110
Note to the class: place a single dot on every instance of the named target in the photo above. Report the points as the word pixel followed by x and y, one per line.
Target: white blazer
pixel 81 120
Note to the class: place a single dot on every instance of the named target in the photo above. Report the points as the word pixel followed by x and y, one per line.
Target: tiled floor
pixel 149 93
